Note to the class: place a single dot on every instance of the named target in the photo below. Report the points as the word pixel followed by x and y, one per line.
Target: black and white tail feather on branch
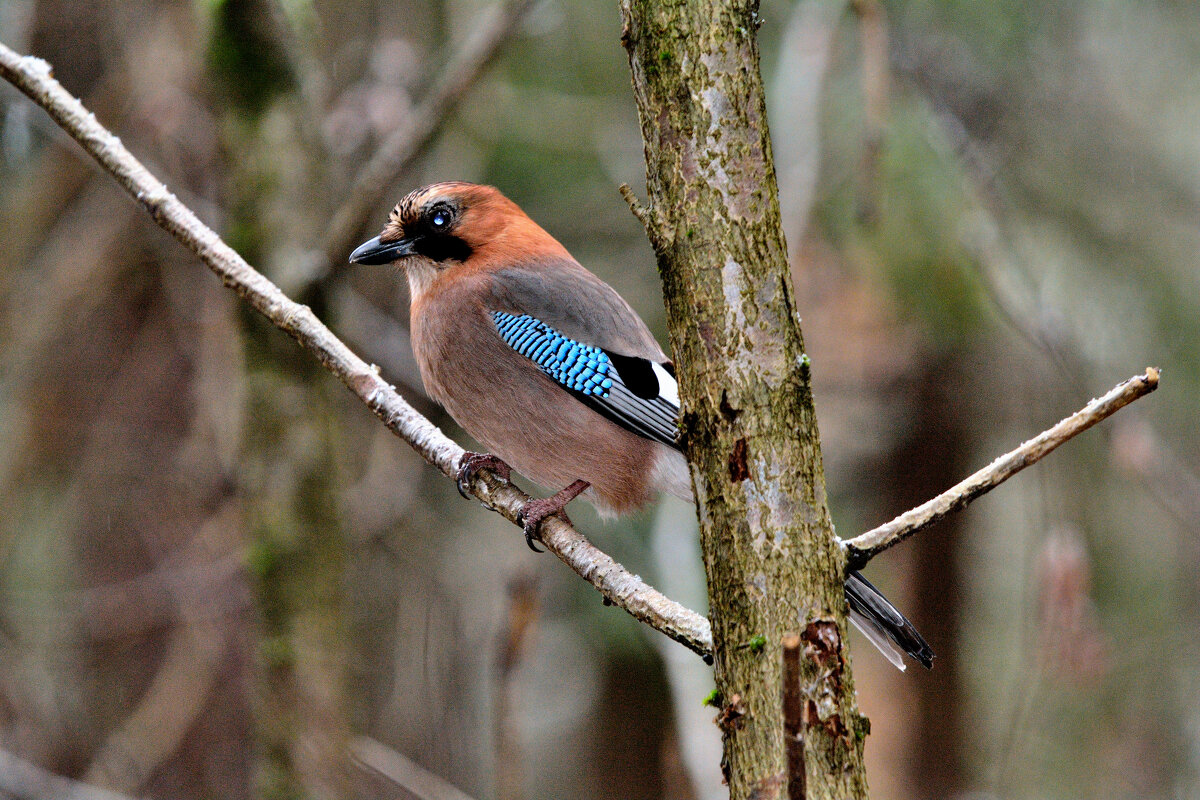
pixel 880 622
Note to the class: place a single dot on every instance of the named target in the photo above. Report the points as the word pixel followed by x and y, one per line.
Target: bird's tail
pixel 880 622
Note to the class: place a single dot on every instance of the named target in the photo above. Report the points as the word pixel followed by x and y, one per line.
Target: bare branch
pixel 419 128
pixel 33 77
pixel 404 772
pixel 23 779
pixel 864 547
pixel 1005 278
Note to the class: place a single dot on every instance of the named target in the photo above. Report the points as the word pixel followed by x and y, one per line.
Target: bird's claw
pixel 532 536
pixel 470 464
pixel 530 518
pixel 533 512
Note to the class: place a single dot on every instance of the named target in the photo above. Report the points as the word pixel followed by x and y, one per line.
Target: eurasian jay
pixel 550 369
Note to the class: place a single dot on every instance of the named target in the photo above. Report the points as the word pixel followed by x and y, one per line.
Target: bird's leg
pixel 530 517
pixel 471 463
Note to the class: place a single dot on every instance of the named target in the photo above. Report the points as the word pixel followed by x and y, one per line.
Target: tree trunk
pixel 749 428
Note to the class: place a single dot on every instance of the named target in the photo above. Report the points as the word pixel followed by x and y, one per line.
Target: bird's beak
pixel 373 251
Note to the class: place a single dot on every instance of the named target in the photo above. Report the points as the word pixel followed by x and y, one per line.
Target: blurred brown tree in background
pixel 219 572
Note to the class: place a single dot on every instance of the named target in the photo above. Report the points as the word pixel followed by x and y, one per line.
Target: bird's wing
pixel 637 394
pixel 585 337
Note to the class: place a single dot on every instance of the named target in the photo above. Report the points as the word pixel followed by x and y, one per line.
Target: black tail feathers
pixel 873 609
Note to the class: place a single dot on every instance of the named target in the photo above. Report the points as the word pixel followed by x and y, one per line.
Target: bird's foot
pixel 471 463
pixel 530 517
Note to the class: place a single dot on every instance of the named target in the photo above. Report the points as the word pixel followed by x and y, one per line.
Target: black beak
pixel 373 251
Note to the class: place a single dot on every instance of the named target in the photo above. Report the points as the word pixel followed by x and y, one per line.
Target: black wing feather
pixel 655 418
pixel 864 598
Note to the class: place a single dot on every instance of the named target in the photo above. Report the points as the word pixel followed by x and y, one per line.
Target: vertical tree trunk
pixel 772 560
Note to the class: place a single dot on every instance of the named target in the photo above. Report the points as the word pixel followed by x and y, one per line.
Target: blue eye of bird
pixel 439 219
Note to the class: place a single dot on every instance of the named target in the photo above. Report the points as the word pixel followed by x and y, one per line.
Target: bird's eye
pixel 439 220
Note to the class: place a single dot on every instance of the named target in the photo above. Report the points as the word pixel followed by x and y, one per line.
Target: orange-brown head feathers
pixel 466 223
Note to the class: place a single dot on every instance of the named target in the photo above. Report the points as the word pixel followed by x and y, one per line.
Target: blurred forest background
pixel 218 571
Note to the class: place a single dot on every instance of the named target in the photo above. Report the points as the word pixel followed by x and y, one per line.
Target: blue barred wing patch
pixel 589 373
pixel 579 367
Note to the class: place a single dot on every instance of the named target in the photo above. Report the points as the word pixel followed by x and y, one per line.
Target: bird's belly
pixel 553 439
pixel 541 430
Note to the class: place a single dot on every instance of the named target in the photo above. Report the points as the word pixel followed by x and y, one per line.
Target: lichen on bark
pixel 749 427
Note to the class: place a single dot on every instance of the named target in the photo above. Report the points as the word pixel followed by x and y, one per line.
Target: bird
pixel 551 370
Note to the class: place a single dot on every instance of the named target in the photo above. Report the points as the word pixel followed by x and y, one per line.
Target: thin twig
pixel 1003 270
pixel 404 772
pixel 25 780
pixel 376 178
pixel 33 77
pixel 651 221
pixel 864 547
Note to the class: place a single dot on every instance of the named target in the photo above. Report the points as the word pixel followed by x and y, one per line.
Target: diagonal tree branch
pixel 33 77
pixel 1168 477
pixel 866 546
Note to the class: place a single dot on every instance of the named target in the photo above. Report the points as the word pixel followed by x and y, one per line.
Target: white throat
pixel 421 272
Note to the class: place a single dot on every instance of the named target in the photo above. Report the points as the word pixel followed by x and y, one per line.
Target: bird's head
pixel 445 226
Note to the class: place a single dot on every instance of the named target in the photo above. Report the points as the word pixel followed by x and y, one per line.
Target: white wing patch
pixel 668 389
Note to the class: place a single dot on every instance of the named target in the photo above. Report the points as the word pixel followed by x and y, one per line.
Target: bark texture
pixel 772 560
